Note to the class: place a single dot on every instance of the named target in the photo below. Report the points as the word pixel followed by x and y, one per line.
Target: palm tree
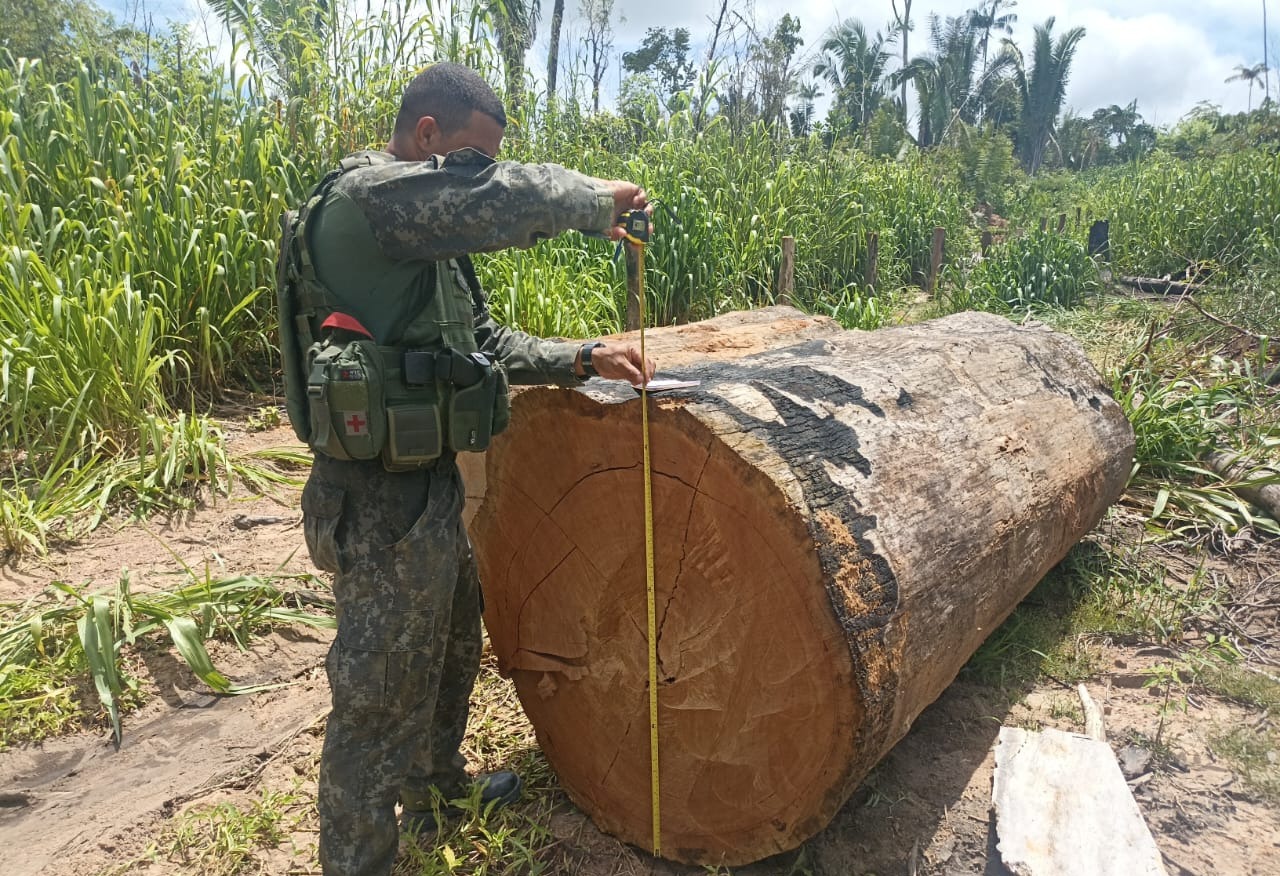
pixel 903 20
pixel 283 35
pixel 1042 87
pixel 514 23
pixel 944 78
pixel 854 63
pixel 802 113
pixel 1251 75
pixel 987 18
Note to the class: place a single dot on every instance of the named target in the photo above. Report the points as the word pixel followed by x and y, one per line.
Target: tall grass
pixel 1220 215
pixel 1026 272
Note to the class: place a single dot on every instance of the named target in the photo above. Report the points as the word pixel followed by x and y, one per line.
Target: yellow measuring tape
pixel 637 240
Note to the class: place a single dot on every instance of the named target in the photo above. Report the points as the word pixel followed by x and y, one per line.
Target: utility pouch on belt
pixel 345 396
pixel 479 411
pixel 414 436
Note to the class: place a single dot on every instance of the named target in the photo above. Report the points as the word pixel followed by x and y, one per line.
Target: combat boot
pixel 497 789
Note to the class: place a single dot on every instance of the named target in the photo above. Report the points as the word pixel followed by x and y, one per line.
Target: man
pixel 387 242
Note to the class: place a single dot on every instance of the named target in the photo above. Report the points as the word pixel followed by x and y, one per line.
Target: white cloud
pixel 1167 54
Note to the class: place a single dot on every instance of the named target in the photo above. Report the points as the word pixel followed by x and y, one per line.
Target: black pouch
pixel 472 409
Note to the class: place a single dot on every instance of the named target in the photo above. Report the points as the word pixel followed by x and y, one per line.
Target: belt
pixel 423 367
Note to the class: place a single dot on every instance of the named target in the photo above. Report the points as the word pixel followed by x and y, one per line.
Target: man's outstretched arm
pixel 471 203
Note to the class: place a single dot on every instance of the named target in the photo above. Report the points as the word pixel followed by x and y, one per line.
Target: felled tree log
pixel 1254 483
pixel 839 524
pixel 1161 285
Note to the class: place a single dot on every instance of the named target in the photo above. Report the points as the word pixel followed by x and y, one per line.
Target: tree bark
pixel 553 54
pixel 839 524
pixel 1248 480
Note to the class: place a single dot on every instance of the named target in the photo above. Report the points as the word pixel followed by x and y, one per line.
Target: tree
pixel 854 63
pixel 667 56
pixel 515 22
pixel 553 53
pixel 944 78
pixel 1042 87
pixel 802 113
pixel 282 35
pixel 775 77
pixel 903 21
pixel 1124 131
pixel 1266 80
pixel 987 18
pixel 1250 75
pixel 599 43
pixel 61 32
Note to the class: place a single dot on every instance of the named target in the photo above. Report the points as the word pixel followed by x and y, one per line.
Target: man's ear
pixel 427 135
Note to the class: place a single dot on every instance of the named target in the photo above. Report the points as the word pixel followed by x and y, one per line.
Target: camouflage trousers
pixel 403 664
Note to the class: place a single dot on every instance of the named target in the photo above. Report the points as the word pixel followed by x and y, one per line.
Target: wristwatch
pixel 587 368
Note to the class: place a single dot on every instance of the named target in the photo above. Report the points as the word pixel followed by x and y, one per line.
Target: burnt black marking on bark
pixel 1047 379
pixel 838 445
pixel 904 399
pixel 795 393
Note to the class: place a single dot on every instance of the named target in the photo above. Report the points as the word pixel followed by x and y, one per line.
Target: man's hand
pixel 626 196
pixel 618 362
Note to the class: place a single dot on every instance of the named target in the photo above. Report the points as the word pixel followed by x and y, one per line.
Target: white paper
pixel 664 384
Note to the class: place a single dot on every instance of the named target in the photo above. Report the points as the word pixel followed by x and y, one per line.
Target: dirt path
pixel 71 801
pixel 76 805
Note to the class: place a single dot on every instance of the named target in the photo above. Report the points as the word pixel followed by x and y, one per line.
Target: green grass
pixel 68 634
pixel 225 839
pixel 1032 272
pixel 1254 753
pixel 1107 587
pixel 1238 684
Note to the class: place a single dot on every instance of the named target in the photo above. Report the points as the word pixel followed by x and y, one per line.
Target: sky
pixel 1167 54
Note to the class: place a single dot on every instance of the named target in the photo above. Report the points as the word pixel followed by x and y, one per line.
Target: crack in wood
pixel 684 553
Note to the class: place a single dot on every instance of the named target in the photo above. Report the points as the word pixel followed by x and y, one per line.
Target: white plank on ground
pixel 1063 809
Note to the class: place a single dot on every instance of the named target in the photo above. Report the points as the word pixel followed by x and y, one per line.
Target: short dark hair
pixel 449 93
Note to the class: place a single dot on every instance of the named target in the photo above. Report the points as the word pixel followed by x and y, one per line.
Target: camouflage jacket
pixel 433 214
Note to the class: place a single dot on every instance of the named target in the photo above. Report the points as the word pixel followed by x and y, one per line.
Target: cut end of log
pixel 746 687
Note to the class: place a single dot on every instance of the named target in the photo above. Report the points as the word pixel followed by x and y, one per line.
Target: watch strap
pixel 587 368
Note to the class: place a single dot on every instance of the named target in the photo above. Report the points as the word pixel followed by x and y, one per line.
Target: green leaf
pixel 1162 499
pixel 98 640
pixel 187 639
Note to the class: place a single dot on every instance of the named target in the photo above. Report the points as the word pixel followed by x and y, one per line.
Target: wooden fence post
pixel 1044 224
pixel 935 257
pixel 1100 240
pixel 873 259
pixel 1079 213
pixel 787 274
pixel 1062 222
pixel 632 255
pixel 987 240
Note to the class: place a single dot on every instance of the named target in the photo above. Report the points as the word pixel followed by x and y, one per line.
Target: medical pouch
pixel 345 394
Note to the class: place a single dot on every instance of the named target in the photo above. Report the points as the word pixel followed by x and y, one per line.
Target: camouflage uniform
pixel 407 652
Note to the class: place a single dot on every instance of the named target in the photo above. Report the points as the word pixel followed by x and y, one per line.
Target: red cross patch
pixel 356 422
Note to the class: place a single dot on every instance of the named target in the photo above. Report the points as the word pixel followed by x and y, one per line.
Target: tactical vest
pixel 350 397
